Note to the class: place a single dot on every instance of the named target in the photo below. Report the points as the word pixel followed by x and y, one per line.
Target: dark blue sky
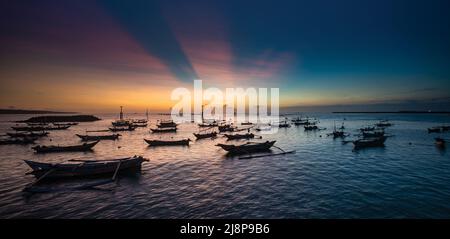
pixel 317 52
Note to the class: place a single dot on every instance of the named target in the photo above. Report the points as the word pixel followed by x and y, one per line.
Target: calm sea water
pixel 409 178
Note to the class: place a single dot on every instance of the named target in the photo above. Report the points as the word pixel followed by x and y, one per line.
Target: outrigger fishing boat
pixel 164 130
pixel 370 142
pixel 240 136
pixel 166 124
pixel 23 141
pixel 40 128
pixel 84 168
pixel 28 134
pixel 338 133
pixel 284 124
pixel 117 129
pixel 311 127
pixel 139 125
pixel 226 128
pixel 208 124
pixel 249 147
pixel 434 130
pixel 121 122
pixel 205 135
pixel 140 122
pixel 371 134
pixel 98 137
pixel 183 142
pixel 71 148
pixel 383 124
pixel 368 128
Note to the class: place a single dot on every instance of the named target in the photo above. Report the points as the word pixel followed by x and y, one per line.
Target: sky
pixel 95 55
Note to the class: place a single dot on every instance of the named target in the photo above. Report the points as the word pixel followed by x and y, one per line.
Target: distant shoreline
pixel 391 112
pixel 19 111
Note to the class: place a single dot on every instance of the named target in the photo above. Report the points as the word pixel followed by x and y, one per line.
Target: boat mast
pixel 121 113
pixel 202 113
pixel 146 114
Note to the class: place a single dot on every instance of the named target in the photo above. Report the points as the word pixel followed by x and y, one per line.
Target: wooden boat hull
pixel 207 125
pixel 122 129
pixel 247 148
pixel 84 169
pixel 240 136
pixel 311 128
pixel 184 142
pixel 98 137
pixel 204 136
pixel 121 123
pixel 226 128
pixel 338 134
pixel 139 125
pixel 163 130
pixel 74 148
pixel 364 143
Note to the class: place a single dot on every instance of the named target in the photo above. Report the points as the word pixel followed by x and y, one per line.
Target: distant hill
pixel 20 111
pixel 61 118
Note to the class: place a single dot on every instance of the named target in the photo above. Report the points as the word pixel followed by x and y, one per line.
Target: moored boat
pixel 370 142
pixel 371 134
pixel 84 168
pixel 205 135
pixel 121 123
pixel 240 136
pixel 138 124
pixel 184 142
pixel 163 130
pixel 166 124
pixel 226 128
pixel 434 130
pixel 250 147
pixel 284 124
pixel 311 127
pixel 383 124
pixel 117 129
pixel 70 148
pixel 98 137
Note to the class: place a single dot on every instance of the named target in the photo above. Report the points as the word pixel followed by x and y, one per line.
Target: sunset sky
pixel 96 55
